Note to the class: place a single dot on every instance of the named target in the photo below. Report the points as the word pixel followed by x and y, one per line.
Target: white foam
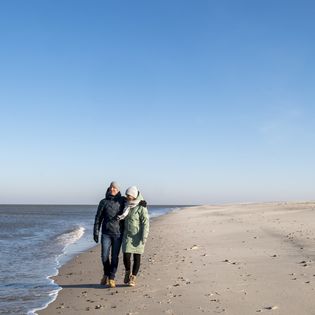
pixel 53 294
pixel 71 236
pixel 163 211
pixel 66 239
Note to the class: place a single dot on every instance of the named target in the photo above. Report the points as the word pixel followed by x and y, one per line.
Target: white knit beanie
pixel 132 191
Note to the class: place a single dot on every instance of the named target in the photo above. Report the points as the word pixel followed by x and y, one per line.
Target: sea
pixel 35 241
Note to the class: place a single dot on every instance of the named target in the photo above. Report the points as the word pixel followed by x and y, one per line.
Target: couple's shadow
pixel 92 286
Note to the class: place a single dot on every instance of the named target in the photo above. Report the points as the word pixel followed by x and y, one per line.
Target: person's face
pixel 130 198
pixel 113 190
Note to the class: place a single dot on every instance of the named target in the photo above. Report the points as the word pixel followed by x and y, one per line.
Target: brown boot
pixel 112 283
pixel 127 277
pixel 104 280
pixel 132 281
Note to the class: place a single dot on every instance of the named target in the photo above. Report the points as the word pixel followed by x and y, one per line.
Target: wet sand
pixel 228 259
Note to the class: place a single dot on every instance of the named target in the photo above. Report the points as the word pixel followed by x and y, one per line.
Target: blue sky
pixel 195 102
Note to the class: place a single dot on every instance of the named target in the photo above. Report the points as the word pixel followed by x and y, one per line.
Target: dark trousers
pixel 136 262
pixel 110 265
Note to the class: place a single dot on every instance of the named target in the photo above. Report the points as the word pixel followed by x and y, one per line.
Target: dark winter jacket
pixel 106 215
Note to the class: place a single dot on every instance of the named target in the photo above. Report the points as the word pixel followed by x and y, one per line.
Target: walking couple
pixel 125 223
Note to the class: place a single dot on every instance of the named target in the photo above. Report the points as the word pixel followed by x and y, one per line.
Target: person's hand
pixel 143 203
pixel 95 236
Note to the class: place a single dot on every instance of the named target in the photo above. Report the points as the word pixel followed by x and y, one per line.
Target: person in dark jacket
pixel 112 231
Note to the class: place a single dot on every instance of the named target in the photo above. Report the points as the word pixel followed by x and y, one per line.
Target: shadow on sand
pixel 91 286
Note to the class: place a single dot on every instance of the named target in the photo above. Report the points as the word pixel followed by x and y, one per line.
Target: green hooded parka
pixel 136 229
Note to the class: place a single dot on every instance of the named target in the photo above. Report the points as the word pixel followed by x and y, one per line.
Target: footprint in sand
pixel 268 308
pixel 194 247
pixel 60 307
pixel 305 263
pixel 271 308
pixel 98 307
pixel 230 262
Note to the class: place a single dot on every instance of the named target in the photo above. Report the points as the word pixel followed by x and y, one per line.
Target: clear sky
pixel 195 102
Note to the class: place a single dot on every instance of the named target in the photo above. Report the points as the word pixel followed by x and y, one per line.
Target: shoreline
pixel 74 249
pixel 62 260
pixel 229 259
pixel 69 264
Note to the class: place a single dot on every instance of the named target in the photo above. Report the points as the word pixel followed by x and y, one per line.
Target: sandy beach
pixel 228 259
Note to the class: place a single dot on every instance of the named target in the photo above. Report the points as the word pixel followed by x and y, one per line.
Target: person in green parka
pixel 136 231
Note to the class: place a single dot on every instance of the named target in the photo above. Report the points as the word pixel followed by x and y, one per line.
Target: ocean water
pixel 35 240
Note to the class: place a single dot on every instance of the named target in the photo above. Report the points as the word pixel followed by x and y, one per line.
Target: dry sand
pixel 229 259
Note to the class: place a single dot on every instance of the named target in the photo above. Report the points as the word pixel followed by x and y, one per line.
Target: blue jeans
pixel 113 243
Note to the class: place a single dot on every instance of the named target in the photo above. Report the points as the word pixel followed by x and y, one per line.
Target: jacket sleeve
pixel 98 218
pixel 144 220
